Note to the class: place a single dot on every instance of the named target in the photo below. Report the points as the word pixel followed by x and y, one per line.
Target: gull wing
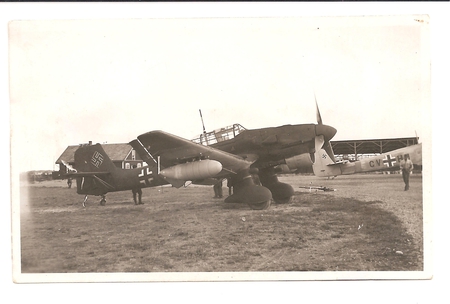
pixel 86 174
pixel 173 150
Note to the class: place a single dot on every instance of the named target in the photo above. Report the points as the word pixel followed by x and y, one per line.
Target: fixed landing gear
pixel 282 193
pixel 245 191
pixel 260 206
pixel 257 197
pixel 102 201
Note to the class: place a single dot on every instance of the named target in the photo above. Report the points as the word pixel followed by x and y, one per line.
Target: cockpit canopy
pixel 219 135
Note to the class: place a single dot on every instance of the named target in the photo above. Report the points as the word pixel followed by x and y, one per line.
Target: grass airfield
pixel 368 224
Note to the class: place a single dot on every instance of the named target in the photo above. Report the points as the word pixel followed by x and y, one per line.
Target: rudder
pixel 323 165
pixel 93 158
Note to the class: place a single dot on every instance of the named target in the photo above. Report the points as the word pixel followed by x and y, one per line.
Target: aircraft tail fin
pixel 323 162
pixel 93 158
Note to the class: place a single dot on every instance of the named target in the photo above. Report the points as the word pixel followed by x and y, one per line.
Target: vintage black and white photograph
pixel 221 149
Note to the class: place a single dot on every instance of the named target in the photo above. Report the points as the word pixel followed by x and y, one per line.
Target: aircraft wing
pixel 173 150
pixel 86 174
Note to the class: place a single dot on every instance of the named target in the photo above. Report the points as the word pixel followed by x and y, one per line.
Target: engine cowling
pixel 299 161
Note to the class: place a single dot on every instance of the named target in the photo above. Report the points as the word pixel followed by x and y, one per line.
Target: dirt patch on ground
pixel 369 223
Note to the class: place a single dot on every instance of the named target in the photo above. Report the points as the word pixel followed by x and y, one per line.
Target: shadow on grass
pixel 316 232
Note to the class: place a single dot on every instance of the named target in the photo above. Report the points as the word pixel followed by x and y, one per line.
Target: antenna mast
pixel 204 130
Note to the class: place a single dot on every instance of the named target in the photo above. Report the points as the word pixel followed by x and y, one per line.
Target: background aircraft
pixel 326 166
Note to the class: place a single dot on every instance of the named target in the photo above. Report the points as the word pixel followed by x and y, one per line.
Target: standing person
pixel 406 166
pixel 137 191
pixel 218 189
pixel 69 182
pixel 230 186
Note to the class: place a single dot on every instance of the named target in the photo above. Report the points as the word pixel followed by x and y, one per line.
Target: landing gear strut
pixel 245 191
pixel 102 201
pixel 84 202
pixel 282 193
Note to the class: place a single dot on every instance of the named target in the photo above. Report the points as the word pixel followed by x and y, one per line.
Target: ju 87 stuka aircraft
pixel 234 153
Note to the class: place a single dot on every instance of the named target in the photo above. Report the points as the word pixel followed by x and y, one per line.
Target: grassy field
pixel 368 224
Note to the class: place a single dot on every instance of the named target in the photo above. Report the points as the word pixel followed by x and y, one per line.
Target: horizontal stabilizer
pixel 68 166
pixel 339 162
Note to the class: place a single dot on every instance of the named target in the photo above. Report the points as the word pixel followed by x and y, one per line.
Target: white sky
pixel 72 81
pixel 363 85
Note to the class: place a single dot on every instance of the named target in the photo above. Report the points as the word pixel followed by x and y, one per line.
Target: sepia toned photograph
pixel 221 149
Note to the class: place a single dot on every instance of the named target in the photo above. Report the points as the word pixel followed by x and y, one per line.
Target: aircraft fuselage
pixel 119 180
pixel 271 146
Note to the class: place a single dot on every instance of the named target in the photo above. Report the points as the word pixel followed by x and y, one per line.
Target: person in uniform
pixel 139 192
pixel 406 167
pixel 230 186
pixel 218 189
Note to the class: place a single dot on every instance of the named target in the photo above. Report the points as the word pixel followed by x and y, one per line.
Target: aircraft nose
pixel 327 131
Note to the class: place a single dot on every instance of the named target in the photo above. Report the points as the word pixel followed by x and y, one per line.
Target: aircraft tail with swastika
pixel 94 170
pixel 93 158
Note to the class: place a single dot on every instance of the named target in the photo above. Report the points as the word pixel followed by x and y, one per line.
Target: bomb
pixel 193 171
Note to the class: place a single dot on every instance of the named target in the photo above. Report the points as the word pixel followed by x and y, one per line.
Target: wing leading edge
pixel 173 150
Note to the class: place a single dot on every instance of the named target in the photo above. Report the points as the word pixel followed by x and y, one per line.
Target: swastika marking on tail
pixel 97 159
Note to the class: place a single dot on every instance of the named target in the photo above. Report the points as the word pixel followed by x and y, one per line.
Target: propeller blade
pixel 319 118
pixel 320 139
pixel 318 142
pixel 327 147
